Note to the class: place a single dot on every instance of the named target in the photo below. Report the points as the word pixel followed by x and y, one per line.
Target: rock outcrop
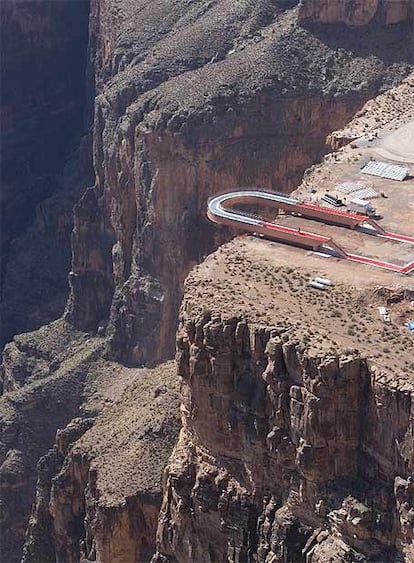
pixel 283 456
pixel 356 12
pixel 98 492
pixel 293 447
pixel 60 454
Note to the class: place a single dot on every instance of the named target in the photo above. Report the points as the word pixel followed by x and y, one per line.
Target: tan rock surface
pixel 355 12
pixel 297 405
pixel 288 429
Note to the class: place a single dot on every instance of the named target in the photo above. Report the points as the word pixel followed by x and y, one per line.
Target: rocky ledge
pixel 356 13
pixel 296 445
pixel 83 444
pixel 296 407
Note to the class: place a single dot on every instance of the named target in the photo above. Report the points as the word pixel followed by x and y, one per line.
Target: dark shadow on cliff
pixel 44 56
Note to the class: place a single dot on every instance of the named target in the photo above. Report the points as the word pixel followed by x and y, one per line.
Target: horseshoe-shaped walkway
pixel 222 209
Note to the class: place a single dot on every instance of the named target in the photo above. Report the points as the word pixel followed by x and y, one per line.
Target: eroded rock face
pixel 39 544
pixel 283 456
pixel 27 426
pixel 160 231
pixel 355 12
pixel 98 490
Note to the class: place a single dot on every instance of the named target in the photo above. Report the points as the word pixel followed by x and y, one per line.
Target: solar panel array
pixel 350 187
pixel 358 189
pixel 385 170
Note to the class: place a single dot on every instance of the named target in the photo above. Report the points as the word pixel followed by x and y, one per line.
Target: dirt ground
pixel 391 141
pixel 267 283
pixel 383 130
pixel 398 146
pixel 354 241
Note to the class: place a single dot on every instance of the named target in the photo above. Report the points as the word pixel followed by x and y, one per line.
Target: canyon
pixel 278 434
pixel 44 163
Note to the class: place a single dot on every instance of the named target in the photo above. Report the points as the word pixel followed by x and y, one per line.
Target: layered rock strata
pixel 92 482
pixel 98 496
pixel 275 460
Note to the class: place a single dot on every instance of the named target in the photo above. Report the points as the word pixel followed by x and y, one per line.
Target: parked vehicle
pixel 332 200
pixel 317 285
pixel 361 206
pixel 323 281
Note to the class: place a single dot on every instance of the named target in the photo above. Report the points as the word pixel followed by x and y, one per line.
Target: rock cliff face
pixel 98 492
pixel 29 417
pixel 155 243
pixel 44 46
pixel 283 455
pixel 355 12
pixel 218 97
pixel 76 452
pixel 291 449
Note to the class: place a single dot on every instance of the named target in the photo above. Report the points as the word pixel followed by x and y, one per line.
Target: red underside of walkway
pixel 396 236
pixel 363 260
pixel 336 212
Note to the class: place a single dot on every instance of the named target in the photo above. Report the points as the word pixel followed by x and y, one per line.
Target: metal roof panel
pixel 385 170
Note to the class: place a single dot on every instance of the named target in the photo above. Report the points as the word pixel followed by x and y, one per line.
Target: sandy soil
pixel 385 131
pixel 355 242
pixel 398 146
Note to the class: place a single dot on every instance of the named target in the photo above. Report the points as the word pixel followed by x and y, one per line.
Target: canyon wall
pixel 356 13
pixel 98 492
pixel 159 228
pixel 284 456
pixel 44 48
pixel 80 463
pixel 193 99
pixel 216 98
pixel 43 391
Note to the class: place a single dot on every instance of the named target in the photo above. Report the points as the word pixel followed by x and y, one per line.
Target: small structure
pixel 317 285
pixel 320 283
pixel 384 314
pixel 360 190
pixel 385 170
pixel 365 193
pixel 410 326
pixel 350 187
pixel 324 281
